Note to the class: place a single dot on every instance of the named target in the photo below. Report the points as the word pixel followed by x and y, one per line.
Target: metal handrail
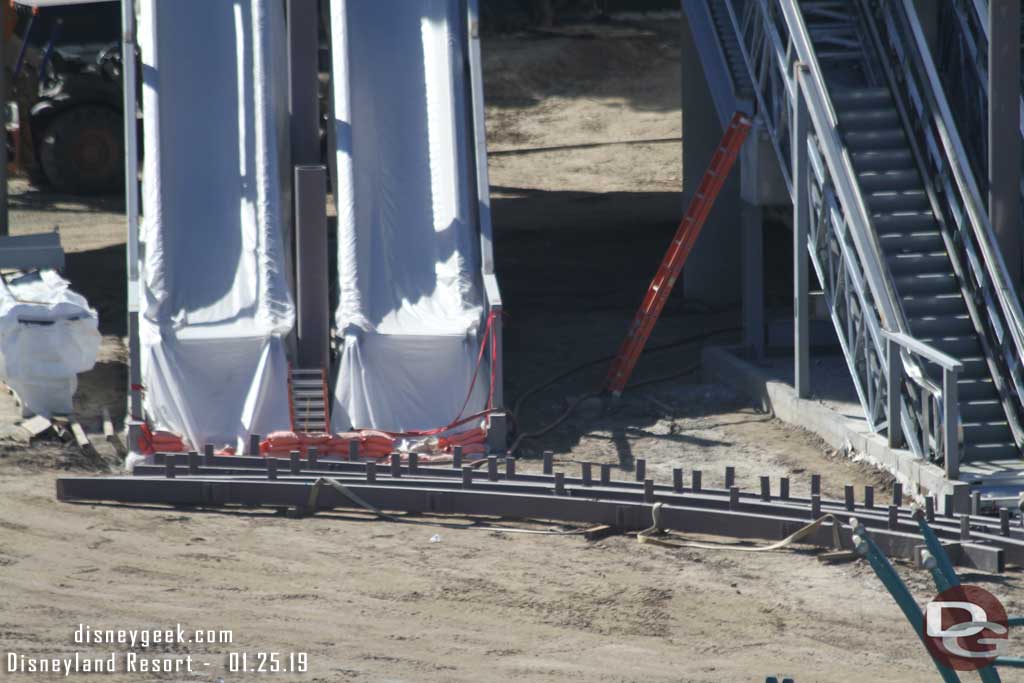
pixel 785 65
pixel 825 121
pixel 926 351
pixel 992 270
pixel 956 157
pixel 946 398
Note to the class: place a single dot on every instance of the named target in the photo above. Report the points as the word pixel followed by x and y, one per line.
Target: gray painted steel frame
pixel 739 521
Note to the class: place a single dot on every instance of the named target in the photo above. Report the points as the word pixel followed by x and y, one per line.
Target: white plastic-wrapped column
pixel 215 305
pixel 410 309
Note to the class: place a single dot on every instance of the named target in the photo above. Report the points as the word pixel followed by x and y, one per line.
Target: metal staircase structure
pixel 887 206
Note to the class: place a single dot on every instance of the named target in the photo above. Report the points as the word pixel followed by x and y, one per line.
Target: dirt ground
pixel 582 211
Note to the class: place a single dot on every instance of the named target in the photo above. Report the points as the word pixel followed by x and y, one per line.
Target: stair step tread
pixel 903 221
pixel 916 263
pixel 990 451
pixel 897 200
pixel 914 242
pixel 863 140
pixel 890 180
pixel 934 283
pixel 976 388
pixel 874 117
pixel 957 347
pixel 856 94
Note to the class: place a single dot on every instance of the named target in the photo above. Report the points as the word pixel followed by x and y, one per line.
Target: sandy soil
pixel 579 230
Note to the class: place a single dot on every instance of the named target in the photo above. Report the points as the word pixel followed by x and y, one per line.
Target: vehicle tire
pixel 82 151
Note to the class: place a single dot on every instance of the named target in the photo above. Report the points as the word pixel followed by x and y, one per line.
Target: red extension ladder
pixel 686 235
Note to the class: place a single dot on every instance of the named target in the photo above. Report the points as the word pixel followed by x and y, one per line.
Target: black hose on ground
pixel 583 366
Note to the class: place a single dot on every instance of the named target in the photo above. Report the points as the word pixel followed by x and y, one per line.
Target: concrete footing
pixel 838 430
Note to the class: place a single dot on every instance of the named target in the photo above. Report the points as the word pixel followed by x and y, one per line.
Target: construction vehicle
pixel 65 93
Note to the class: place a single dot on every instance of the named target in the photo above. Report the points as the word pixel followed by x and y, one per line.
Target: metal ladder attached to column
pixel 307 398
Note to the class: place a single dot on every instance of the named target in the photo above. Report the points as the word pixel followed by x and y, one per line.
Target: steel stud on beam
pixel 208 454
pixel 641 469
pixel 784 488
pixel 271 468
pixel 457 457
pixel 869 497
pixel 294 462
pixel 815 484
pixel 492 467
pixel 254 444
pixel 371 470
pixel 510 467
pixel 730 476
pixel 897 493
pixel 467 476
pixel 193 462
pixel 414 462
pixel 848 495
pixel 606 474
pixel 695 477
pixel 396 465
pixel 559 483
pixel 549 462
pixel 648 490
pixel 766 488
pixel 585 474
pixel 677 479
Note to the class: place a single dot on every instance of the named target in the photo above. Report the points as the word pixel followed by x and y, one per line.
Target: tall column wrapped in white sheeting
pixel 215 301
pixel 411 313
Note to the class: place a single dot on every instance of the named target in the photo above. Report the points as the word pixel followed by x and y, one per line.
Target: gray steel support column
pixel 951 423
pixel 311 266
pixel 894 379
pixel 801 224
pixel 303 86
pixel 1004 158
pixel 136 410
pixel 4 217
pixel 712 272
pixel 753 278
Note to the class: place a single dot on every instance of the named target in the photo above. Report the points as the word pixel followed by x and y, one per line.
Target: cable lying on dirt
pixel 594 394
pixel 653 533
pixel 604 359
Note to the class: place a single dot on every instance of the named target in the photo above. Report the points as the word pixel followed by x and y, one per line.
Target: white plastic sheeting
pixel 410 309
pixel 48 334
pixel 215 305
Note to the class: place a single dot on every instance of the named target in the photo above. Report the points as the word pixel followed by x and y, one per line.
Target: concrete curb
pixel 922 478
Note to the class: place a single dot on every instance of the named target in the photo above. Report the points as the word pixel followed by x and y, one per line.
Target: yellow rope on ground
pixel 650 535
